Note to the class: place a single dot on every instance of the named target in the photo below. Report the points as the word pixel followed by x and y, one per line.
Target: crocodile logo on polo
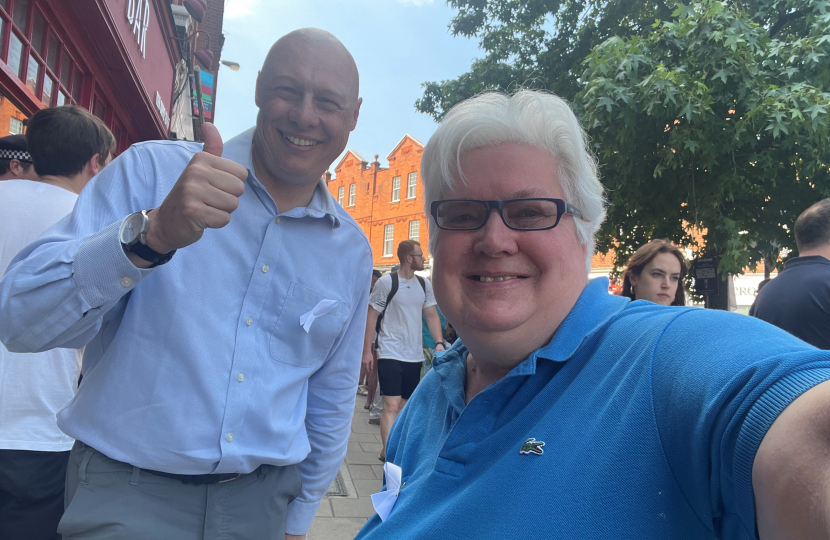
pixel 532 446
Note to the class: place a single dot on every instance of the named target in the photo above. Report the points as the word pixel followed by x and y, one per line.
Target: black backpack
pixel 389 297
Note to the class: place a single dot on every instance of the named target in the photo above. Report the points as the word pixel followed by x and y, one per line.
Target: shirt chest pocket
pixel 290 342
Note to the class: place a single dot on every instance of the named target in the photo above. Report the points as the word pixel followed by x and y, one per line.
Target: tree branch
pixel 784 19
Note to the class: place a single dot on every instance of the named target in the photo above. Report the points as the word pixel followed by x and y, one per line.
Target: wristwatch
pixel 134 238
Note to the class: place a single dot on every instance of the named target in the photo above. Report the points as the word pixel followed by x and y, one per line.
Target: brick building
pixel 388 203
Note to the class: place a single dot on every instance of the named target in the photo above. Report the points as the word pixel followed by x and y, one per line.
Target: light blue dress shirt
pixel 201 365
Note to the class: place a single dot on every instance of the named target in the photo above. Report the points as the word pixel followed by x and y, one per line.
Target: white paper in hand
pixel 385 500
pixel 323 307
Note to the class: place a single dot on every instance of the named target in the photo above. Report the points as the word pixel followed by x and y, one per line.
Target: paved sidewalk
pixel 340 518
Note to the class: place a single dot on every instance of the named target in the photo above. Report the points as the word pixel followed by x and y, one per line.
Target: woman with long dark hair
pixel 655 273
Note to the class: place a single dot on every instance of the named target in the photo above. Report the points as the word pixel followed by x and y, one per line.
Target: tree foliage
pixel 535 43
pixel 712 120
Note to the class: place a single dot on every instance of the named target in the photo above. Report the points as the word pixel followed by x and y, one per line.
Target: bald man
pixel 218 290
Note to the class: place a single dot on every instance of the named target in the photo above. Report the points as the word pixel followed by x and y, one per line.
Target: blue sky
pixel 397 44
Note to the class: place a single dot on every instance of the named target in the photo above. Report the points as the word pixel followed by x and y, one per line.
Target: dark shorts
pixel 31 493
pixel 398 378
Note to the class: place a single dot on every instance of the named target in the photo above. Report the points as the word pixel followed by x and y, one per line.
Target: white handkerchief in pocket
pixel 322 307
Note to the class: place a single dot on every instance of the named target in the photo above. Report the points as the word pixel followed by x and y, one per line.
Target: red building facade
pixel 388 203
pixel 120 59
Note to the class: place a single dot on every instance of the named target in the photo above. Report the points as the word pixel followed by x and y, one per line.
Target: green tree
pixel 535 43
pixel 716 121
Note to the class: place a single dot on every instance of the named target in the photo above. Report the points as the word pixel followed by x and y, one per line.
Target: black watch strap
pixel 150 255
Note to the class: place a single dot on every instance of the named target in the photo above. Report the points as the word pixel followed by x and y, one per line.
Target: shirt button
pixel 240 377
pixel 229 438
pixel 265 268
pixel 249 321
pixel 277 221
pixel 126 282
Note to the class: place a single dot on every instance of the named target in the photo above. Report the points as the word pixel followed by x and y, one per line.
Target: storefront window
pixel 52 53
pixel 48 85
pixel 42 55
pixel 77 86
pixel 44 63
pixel 66 69
pixel 99 109
pixel 37 32
pixel 32 74
pixel 15 52
pixel 21 10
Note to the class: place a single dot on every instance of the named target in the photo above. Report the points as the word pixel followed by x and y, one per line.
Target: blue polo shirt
pixel 650 417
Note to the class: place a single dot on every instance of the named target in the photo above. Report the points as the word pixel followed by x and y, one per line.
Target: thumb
pixel 213 141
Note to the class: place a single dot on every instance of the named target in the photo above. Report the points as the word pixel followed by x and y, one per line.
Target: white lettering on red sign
pixel 138 15
pixel 163 111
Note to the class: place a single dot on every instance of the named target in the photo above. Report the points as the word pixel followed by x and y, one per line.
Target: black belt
pixel 197 479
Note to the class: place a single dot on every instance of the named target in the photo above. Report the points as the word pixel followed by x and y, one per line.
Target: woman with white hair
pixel 565 412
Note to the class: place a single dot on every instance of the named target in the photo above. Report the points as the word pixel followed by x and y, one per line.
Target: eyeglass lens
pixel 521 214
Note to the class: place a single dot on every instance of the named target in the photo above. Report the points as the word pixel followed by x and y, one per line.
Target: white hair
pixel 535 118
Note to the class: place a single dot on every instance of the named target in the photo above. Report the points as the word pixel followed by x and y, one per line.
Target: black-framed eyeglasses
pixel 536 214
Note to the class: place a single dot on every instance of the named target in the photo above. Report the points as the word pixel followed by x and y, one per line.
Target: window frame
pixel 31 51
pixel 12 119
pixel 396 189
pixel 352 193
pixel 388 239
pixel 340 195
pixel 417 224
pixel 411 185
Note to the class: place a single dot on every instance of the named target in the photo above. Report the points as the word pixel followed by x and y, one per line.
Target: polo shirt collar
pixel 592 310
pixel 809 259
pixel 239 149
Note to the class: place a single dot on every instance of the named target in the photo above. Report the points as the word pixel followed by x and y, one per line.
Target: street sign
pixel 705 272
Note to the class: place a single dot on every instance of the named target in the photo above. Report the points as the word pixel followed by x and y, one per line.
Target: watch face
pixel 131 228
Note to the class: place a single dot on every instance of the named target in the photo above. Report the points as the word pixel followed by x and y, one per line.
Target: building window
pixel 340 195
pixel 15 127
pixel 414 229
pixel 37 55
pixel 388 240
pixel 410 185
pixel 396 189
pixel 352 190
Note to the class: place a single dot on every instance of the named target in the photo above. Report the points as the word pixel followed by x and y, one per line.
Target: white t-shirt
pixel 400 333
pixel 33 386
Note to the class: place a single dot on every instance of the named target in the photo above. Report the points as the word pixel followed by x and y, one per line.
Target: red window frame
pixel 68 76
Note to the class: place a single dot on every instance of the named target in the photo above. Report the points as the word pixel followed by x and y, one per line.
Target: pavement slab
pixel 333 528
pixel 341 517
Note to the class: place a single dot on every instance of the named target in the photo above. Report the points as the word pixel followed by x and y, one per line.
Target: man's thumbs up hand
pixel 204 196
pixel 213 141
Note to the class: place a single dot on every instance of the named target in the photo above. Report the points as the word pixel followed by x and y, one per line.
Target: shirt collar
pixel 809 259
pixel 239 149
pixel 592 310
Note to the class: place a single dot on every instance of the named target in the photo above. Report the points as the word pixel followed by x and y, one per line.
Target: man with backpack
pixel 395 308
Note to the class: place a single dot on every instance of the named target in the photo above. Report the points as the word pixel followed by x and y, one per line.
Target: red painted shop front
pixel 115 58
